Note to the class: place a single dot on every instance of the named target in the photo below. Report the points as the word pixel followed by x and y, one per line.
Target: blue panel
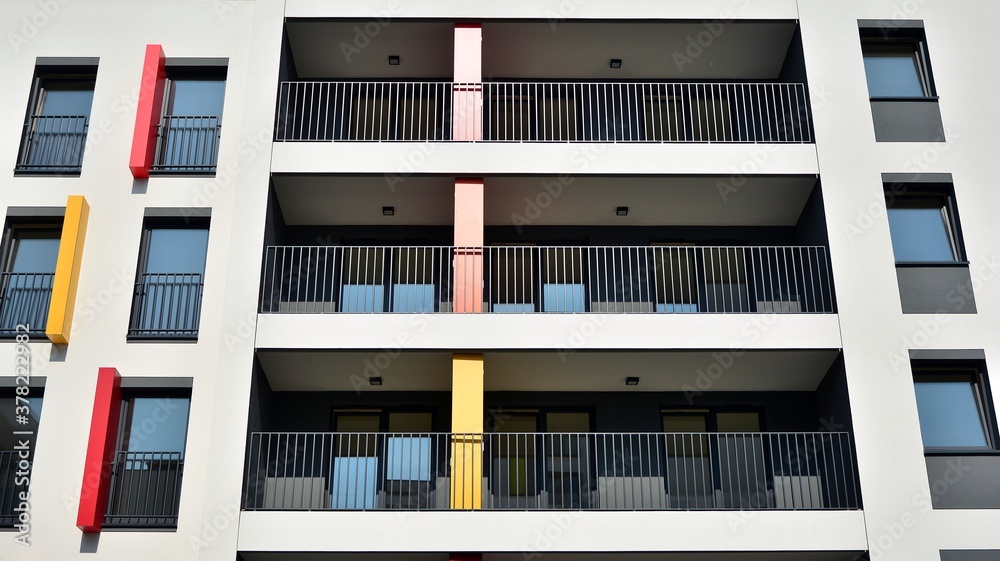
pixel 35 255
pixel 177 250
pixel 408 458
pixel 893 74
pixel 949 415
pixel 672 308
pixel 919 234
pixel 196 98
pixel 362 298
pixel 67 102
pixel 158 424
pixel 515 308
pixel 413 298
pixel 354 483
pixel 563 298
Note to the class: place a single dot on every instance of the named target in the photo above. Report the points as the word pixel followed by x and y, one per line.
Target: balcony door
pixel 714 459
pixel 539 459
pixel 398 279
pixel 383 460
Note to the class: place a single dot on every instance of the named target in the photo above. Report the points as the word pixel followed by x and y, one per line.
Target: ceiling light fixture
pixel 621 211
pixel 616 63
pixel 388 211
pixel 393 60
pixel 632 381
pixel 377 380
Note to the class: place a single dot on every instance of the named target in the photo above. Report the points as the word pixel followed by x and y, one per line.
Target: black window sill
pixel 961 452
pixel 900 98
pixel 162 338
pixel 182 173
pixel 955 264
pixel 46 173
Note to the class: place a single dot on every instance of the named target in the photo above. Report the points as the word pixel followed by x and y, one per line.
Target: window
pixel 28 270
pixel 923 228
pixel 55 130
pixel 188 139
pixel 168 290
pixel 896 63
pixel 953 407
pixel 149 462
pixel 413 275
pixel 11 484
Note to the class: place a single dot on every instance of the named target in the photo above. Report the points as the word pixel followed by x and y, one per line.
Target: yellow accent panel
pixel 466 472
pixel 467 428
pixel 67 277
pixel 467 394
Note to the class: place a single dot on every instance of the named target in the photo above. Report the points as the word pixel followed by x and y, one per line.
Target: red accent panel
pixel 468 52
pixel 147 116
pixel 100 450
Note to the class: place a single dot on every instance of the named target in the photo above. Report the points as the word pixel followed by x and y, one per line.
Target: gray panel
pixel 947 354
pixel 67 61
pixel 178 212
pixel 40 211
pixel 191 62
pixel 891 23
pixel 11 382
pixel 907 121
pixel 157 383
pixel 917 178
pixel 970 555
pixel 964 481
pixel 931 290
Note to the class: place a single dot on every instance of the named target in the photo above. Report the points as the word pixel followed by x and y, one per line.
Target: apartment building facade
pixel 312 280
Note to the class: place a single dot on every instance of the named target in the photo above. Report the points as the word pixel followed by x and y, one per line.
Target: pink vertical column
pixel 147 116
pixel 468 125
pixel 467 100
pixel 468 296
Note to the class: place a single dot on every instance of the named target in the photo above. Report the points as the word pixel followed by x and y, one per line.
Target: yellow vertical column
pixel 74 230
pixel 467 432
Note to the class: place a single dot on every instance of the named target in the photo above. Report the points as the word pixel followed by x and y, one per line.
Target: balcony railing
pixel 187 144
pixel 658 279
pixel 10 490
pixel 53 144
pixel 544 112
pixel 145 489
pixel 24 300
pixel 551 471
pixel 166 305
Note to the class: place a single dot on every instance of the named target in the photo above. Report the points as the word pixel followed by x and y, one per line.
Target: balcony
pixel 24 300
pixel 53 144
pixel 615 112
pixel 145 489
pixel 187 144
pixel 166 306
pixel 520 279
pixel 551 471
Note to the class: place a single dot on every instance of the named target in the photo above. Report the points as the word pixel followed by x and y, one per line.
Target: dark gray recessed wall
pixel 964 482
pixel 907 120
pixel 931 290
pixel 970 555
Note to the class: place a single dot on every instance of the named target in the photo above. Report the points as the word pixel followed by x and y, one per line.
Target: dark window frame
pixel 137 333
pixel 214 73
pixel 975 373
pixel 945 193
pixel 44 75
pixel 913 40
